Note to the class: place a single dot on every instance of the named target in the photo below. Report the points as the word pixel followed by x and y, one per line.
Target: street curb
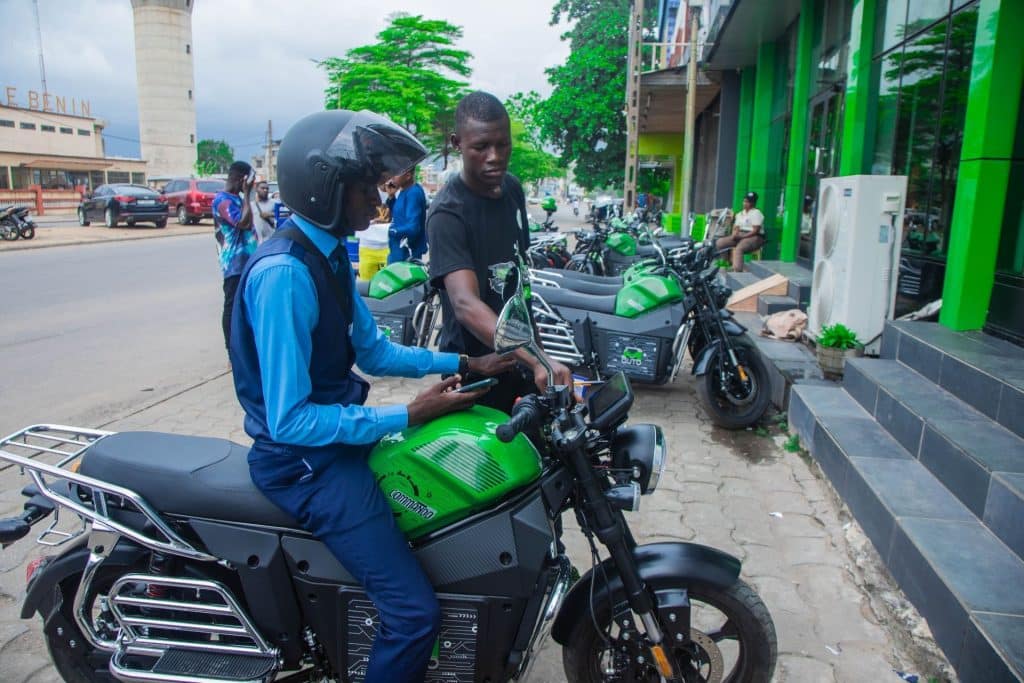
pixel 32 245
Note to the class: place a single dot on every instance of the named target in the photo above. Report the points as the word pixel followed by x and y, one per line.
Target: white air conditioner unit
pixel 856 253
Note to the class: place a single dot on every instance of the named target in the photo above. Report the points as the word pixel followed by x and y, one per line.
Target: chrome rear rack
pixel 51 454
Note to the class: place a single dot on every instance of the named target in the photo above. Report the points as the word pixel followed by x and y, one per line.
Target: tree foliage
pixel 413 73
pixel 584 116
pixel 529 162
pixel 213 156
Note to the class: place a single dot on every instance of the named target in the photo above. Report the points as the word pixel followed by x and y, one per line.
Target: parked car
pixel 190 199
pixel 128 203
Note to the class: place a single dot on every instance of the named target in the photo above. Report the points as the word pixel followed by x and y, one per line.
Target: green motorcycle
pixel 182 571
pixel 404 304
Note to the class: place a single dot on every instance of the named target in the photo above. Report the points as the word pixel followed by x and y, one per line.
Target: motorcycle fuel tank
pixel 439 473
pixel 646 293
pixel 622 242
pixel 395 278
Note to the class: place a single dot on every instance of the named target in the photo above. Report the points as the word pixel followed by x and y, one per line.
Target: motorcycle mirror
pixel 514 329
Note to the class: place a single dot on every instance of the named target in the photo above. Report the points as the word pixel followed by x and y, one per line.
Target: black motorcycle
pixel 15 222
pixel 182 571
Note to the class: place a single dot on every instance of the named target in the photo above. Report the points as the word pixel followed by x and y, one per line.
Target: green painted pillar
pixel 765 147
pixel 997 75
pixel 746 114
pixel 859 115
pixel 796 167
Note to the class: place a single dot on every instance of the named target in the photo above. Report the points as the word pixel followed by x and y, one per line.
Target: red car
pixel 190 199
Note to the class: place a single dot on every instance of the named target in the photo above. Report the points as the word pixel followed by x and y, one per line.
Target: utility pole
pixel 39 40
pixel 691 105
pixel 633 64
pixel 271 176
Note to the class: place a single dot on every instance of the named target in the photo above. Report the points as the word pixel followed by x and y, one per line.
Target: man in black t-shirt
pixel 476 221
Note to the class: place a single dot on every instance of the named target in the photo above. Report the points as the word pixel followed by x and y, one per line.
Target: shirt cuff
pixel 446 363
pixel 392 418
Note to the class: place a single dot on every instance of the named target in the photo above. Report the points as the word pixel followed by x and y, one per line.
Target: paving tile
pixel 890 342
pixel 993 649
pixel 830 457
pixel 862 437
pixel 909 490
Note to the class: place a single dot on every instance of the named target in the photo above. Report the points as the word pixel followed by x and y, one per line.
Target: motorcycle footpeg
pixel 195 666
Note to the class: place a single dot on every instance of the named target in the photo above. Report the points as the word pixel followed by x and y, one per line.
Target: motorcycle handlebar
pixel 524 415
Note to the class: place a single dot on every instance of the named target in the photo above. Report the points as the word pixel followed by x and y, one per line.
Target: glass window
pixel 47 129
pixel 27 126
pixel 66 131
pixel 83 131
pixel 21 178
pixel 95 179
pixel 886 73
pixel 6 123
pixel 210 185
pixel 4 185
pixel 921 13
pixel 892 15
pixel 138 178
pixel 118 177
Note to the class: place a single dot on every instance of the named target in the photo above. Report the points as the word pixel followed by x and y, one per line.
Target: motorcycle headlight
pixel 641 449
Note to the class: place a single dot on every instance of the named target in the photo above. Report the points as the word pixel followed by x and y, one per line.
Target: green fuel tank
pixel 396 277
pixel 436 474
pixel 646 293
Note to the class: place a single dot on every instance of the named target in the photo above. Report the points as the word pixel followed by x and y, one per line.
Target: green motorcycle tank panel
pixel 439 473
pixel 396 277
pixel 639 270
pixel 622 242
pixel 646 293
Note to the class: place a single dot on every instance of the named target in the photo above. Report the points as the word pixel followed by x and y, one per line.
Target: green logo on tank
pixel 413 506
pixel 385 330
pixel 632 356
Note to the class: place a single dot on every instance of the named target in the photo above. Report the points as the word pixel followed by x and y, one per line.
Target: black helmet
pixel 323 152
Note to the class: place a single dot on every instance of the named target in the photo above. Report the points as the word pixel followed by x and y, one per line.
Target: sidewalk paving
pixel 65 231
pixel 837 613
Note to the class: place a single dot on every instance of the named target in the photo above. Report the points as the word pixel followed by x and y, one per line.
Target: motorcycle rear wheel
pixel 726 409
pixel 8 232
pixel 747 637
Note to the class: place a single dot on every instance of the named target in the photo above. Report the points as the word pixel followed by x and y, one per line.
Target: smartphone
pixel 477 386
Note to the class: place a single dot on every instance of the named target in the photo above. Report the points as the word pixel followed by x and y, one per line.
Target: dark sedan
pixel 130 204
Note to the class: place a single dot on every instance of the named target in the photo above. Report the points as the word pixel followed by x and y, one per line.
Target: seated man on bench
pixel 746 233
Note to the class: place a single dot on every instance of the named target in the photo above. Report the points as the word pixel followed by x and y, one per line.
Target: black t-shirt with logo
pixel 470 232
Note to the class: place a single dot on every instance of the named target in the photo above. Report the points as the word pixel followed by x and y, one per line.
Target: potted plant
pixel 835 344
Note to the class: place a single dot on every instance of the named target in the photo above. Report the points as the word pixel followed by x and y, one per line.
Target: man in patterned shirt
pixel 232 219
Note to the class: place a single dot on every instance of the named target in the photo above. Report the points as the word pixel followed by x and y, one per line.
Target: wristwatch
pixel 463 364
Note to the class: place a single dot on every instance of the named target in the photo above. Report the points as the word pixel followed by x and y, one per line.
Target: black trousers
pixel 230 289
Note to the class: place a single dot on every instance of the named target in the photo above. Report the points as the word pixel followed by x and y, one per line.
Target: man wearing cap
pixel 746 232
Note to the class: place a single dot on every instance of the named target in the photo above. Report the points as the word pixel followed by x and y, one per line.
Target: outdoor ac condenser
pixel 856 253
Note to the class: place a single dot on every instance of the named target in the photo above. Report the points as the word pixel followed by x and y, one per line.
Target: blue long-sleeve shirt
pixel 409 220
pixel 281 302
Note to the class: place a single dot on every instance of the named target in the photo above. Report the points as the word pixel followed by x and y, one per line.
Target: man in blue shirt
pixel 232 220
pixel 408 219
pixel 299 328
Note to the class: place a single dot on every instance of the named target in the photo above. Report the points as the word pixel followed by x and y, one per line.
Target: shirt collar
pixel 324 241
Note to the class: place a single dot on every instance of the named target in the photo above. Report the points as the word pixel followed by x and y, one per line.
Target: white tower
pixel 163 65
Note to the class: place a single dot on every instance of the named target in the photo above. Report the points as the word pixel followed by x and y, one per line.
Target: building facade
pixel 929 89
pixel 57 151
pixel 166 86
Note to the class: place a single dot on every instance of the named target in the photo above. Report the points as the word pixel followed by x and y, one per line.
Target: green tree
pixel 412 73
pixel 584 116
pixel 213 156
pixel 529 162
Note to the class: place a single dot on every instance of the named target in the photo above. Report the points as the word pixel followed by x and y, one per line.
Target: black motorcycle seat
pixel 184 475
pixel 586 277
pixel 557 296
pixel 584 286
pixel 363 287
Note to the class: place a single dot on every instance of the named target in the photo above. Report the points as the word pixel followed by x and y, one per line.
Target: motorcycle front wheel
pixel 737 402
pixel 732 640
pixel 28 232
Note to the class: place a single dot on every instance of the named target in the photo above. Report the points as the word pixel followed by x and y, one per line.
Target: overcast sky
pixel 252 57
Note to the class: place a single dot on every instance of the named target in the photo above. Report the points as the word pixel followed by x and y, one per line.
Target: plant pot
pixel 833 360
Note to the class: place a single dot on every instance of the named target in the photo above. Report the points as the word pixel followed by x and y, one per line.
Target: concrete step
pixel 962 578
pixel 737 281
pixel 985 372
pixel 771 303
pixel 960 445
pixel 788 362
pixel 799 277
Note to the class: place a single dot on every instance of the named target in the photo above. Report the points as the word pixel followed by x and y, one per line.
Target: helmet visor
pixel 373 147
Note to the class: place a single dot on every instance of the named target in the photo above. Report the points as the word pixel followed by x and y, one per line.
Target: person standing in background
pixel 408 219
pixel 232 219
pixel 262 212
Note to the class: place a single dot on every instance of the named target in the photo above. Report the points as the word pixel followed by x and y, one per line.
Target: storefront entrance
pixel 823 145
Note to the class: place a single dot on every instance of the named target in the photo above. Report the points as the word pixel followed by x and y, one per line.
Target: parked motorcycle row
pixel 15 222
pixel 180 570
pixel 624 300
